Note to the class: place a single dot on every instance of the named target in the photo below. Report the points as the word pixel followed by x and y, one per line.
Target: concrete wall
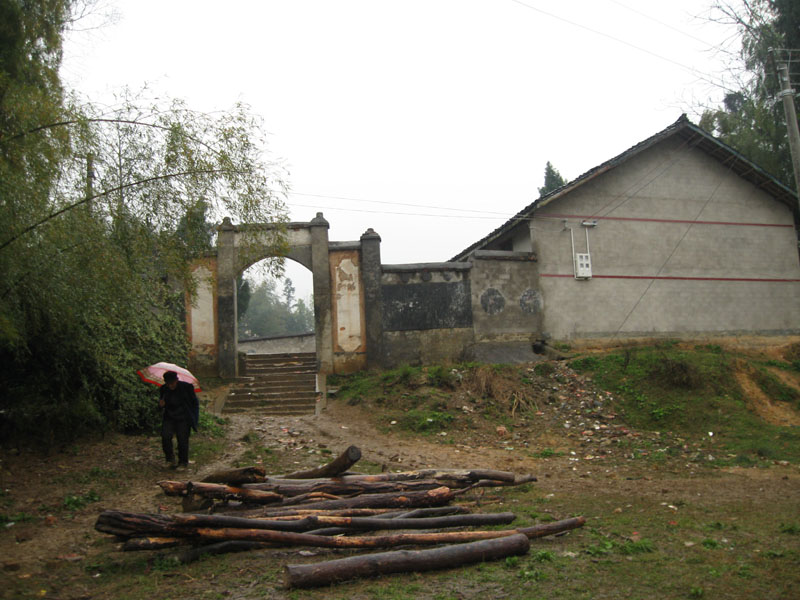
pixel 201 318
pixel 682 246
pixel 285 344
pixel 427 313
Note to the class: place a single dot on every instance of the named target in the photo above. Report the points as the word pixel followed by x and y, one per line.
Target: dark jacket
pixel 181 404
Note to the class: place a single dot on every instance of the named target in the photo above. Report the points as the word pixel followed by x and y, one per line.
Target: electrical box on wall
pixel 583 266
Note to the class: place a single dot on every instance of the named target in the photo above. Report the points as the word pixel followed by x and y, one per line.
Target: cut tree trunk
pixel 380 541
pixel 152 543
pixel 403 561
pixel 138 524
pixel 338 465
pixel 237 476
pixel 219 491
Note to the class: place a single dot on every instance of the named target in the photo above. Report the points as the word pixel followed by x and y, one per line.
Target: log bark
pixel 335 487
pixel 404 561
pixel 376 524
pixel 237 476
pixel 219 491
pixel 435 497
pixel 446 476
pixel 192 554
pixel 152 543
pixel 380 541
pixel 340 464
pixel 127 524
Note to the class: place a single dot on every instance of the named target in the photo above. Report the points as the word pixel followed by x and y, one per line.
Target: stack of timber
pixel 329 507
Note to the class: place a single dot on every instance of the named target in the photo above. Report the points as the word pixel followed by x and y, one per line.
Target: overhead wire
pixel 692 70
pixel 675 249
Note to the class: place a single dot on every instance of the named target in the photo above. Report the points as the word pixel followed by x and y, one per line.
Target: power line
pixel 667 25
pixel 675 249
pixel 406 214
pixel 350 199
pixel 691 70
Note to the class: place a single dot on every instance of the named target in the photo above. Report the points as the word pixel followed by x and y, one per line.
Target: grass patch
pixel 425 421
pixel 693 392
pixel 775 388
pixel 212 425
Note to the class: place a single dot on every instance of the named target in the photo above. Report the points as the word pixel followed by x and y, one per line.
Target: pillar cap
pixel 319 221
pixel 226 225
pixel 370 234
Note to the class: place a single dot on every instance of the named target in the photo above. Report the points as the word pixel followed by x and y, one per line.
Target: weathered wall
pixel 201 319
pixel 285 344
pixel 427 313
pixel 682 246
pixel 347 295
pixel 507 304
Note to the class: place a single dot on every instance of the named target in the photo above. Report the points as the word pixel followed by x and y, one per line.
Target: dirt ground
pixel 54 500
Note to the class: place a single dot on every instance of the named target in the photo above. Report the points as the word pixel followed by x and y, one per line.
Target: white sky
pixel 452 104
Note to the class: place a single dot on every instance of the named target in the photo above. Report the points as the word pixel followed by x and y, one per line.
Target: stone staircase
pixel 275 384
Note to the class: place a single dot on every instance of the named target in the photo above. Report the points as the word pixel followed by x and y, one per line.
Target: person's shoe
pixel 170 463
pixel 182 467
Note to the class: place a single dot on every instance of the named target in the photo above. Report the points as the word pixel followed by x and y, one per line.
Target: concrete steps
pixel 275 384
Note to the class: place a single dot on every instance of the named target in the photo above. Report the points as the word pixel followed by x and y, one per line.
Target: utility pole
pixel 787 94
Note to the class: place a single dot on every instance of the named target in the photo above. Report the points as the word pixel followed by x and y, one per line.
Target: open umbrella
pixel 155 374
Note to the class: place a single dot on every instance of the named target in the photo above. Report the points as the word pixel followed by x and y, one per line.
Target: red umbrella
pixel 155 374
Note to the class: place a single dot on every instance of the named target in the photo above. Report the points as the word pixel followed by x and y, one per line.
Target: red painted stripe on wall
pixel 668 278
pixel 591 218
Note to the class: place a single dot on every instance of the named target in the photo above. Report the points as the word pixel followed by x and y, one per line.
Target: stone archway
pixel 238 247
pixel 346 280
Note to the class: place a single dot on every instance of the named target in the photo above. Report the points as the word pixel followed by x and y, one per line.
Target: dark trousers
pixel 180 429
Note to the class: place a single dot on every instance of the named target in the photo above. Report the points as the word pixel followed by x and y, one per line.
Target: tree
pixel 93 269
pixel 270 315
pixel 552 180
pixel 750 120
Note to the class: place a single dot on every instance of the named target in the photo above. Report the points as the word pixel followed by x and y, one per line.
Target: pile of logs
pixel 244 509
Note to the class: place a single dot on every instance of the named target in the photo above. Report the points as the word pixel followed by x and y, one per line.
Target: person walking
pixel 181 414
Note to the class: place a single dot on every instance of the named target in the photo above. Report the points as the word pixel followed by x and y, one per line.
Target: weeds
pixel 424 421
pixel 77 502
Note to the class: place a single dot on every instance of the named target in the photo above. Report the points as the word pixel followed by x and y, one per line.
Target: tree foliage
pixel 93 261
pixel 552 180
pixel 750 119
pixel 268 314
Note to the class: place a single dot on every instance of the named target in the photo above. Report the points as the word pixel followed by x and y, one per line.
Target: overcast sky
pixel 452 106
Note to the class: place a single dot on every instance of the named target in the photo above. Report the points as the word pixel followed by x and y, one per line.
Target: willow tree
pixel 99 211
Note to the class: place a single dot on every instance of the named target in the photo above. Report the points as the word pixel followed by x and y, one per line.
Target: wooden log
pixel 219 491
pixel 294 513
pixel 340 464
pixel 335 487
pixel 376 524
pixel 450 477
pixel 192 554
pixel 237 476
pixel 403 561
pixel 380 541
pixel 152 543
pixel 439 511
pixel 435 497
pixel 128 524
pixel 545 529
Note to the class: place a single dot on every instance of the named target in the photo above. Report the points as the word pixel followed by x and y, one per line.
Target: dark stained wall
pixel 421 306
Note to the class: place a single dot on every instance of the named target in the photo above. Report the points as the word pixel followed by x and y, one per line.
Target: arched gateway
pixel 345 275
